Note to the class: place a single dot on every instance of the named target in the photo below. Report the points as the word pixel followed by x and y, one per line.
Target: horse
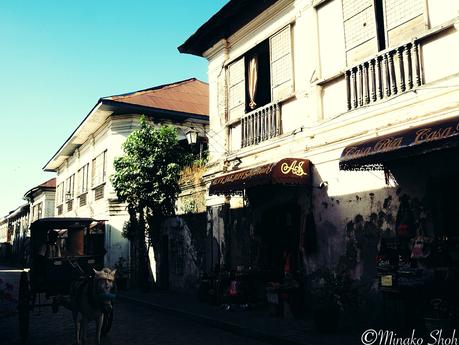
pixel 90 299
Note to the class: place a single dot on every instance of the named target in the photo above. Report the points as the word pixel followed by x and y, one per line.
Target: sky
pixel 58 57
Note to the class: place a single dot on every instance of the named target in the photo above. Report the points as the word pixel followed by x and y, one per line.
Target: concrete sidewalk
pixel 251 323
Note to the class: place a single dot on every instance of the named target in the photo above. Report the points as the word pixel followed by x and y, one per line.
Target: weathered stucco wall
pixel 187 251
pixel 357 207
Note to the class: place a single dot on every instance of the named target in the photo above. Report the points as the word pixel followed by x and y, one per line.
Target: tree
pixel 146 178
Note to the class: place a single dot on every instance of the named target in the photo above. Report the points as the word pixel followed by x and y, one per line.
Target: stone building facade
pixel 364 93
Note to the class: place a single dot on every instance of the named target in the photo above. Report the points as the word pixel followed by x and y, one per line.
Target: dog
pixel 90 300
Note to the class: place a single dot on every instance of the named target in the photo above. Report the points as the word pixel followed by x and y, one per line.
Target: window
pixel 99 192
pixel 70 187
pixel 263 75
pixel 83 177
pixel 37 211
pixel 83 199
pixel 374 25
pixel 60 193
pixel 99 169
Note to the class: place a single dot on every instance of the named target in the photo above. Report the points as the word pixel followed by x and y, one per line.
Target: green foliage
pixel 128 230
pixel 147 175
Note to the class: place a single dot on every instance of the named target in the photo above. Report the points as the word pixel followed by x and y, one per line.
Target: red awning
pixel 287 171
pixel 374 153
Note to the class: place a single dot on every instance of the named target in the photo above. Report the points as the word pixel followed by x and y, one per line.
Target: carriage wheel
pixel 107 324
pixel 24 306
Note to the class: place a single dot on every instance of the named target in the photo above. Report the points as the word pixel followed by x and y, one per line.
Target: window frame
pixel 60 193
pixel 231 118
pixel 83 179
pixel 97 180
pixel 70 188
pixel 381 29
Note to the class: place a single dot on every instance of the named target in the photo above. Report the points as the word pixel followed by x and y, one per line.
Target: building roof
pixel 19 212
pixel 188 96
pixel 50 184
pixel 231 17
pixel 185 100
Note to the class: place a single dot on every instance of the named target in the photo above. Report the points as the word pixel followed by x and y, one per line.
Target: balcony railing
pixel 261 124
pixel 388 74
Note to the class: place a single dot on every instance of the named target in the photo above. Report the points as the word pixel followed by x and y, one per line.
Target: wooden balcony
pixel 261 124
pixel 390 73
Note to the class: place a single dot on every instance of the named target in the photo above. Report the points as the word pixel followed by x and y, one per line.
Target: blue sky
pixel 57 58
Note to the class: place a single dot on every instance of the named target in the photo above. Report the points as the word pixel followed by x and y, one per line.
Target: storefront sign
pixel 367 151
pixel 296 168
pixel 290 171
pixel 386 281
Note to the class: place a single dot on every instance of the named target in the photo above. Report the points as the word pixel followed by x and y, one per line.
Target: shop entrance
pixel 278 235
pixel 443 194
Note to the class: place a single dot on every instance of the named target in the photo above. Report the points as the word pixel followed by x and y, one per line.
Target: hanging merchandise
pixel 405 219
pixel 421 248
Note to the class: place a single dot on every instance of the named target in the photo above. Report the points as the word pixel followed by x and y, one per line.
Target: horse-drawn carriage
pixel 62 251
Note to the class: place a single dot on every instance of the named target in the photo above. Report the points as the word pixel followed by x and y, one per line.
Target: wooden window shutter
pixel 359 29
pixel 99 193
pixel 236 89
pixel 281 64
pixel 83 199
pixel 404 19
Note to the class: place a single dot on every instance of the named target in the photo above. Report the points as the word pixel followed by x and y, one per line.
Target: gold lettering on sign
pixel 427 134
pixel 295 168
pixel 388 144
pixel 384 145
pixel 423 135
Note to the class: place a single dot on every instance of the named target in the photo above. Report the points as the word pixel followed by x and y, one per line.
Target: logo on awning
pixel 288 171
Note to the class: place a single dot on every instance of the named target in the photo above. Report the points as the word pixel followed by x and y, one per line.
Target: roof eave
pixel 229 19
pixel 164 113
pixel 52 165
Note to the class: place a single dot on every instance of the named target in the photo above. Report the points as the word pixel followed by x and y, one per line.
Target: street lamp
pixel 191 136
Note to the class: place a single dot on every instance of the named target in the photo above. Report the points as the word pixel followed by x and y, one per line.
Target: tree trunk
pixel 154 225
pixel 142 277
pixel 134 262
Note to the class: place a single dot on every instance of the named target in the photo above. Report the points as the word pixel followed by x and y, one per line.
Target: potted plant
pixel 326 300
pixel 333 293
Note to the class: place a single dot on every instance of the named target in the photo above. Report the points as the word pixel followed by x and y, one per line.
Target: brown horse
pixel 90 299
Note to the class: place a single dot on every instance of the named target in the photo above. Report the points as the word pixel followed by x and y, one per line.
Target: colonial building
pixel 5 239
pixel 18 226
pixel 14 227
pixel 84 163
pixel 337 127
pixel 41 200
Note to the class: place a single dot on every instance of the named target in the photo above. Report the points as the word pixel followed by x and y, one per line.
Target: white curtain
pixel 253 72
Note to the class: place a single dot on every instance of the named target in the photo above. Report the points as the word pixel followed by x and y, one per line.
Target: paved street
pixel 133 324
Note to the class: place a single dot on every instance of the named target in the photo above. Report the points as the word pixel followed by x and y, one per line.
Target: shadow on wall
pixel 359 232
pixel 186 251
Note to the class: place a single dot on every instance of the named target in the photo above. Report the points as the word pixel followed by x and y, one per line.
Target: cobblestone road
pixel 133 324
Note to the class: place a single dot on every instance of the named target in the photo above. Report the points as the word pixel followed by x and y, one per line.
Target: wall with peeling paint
pixel 187 246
